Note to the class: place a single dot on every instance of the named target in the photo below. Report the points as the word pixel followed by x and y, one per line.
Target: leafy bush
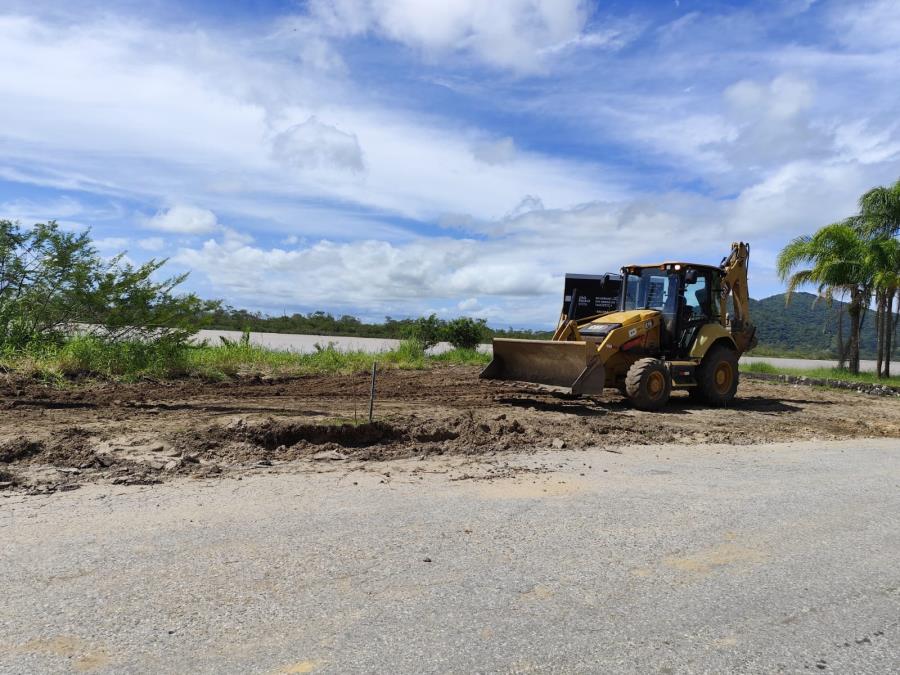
pixel 55 283
pixel 426 331
pixel 465 333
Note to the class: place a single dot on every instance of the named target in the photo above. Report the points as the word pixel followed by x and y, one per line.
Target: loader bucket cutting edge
pixel 571 366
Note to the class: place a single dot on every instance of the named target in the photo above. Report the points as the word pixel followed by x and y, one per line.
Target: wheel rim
pixel 656 384
pixel 724 377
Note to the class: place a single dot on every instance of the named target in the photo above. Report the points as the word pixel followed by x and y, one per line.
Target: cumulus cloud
pixel 503 33
pixel 364 272
pixel 513 272
pixel 314 145
pixel 184 219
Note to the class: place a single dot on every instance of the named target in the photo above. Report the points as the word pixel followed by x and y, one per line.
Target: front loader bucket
pixel 570 366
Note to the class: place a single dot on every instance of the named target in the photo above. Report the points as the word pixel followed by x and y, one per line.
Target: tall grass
pixel 821 373
pixel 89 357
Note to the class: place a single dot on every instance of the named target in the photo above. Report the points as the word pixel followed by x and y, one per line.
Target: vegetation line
pixel 762 367
pixel 91 357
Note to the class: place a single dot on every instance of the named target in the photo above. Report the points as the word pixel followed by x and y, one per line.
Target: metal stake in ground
pixel 372 393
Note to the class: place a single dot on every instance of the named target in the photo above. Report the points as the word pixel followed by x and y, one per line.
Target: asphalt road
pixel 657 560
pixel 307 343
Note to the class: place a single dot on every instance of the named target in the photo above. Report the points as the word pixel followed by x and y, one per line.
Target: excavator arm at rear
pixel 734 283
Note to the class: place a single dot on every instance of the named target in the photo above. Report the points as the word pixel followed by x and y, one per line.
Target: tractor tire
pixel 648 384
pixel 717 377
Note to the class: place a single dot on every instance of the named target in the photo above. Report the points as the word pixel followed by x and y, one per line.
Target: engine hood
pixel 626 317
pixel 600 327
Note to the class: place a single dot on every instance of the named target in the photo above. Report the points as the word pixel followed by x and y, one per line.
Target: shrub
pixel 426 331
pixel 465 333
pixel 51 281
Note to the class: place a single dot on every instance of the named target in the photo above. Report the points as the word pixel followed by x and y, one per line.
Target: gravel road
pixel 307 343
pixel 664 559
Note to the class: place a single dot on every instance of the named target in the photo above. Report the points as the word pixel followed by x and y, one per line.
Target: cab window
pixel 651 289
pixel 697 296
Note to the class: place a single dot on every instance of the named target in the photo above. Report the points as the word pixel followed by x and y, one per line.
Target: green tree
pixel 426 331
pixel 53 283
pixel 837 258
pixel 465 333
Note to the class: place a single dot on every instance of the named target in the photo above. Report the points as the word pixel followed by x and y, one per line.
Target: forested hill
pixel 805 326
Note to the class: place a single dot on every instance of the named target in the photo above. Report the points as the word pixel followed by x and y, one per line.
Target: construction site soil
pixel 54 438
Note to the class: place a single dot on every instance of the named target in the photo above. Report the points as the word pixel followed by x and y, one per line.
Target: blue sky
pixel 397 157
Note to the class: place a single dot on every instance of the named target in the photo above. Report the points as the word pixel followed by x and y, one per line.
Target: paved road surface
pixel 307 343
pixel 657 560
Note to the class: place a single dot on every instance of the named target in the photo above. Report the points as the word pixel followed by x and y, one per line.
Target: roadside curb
pixel 861 387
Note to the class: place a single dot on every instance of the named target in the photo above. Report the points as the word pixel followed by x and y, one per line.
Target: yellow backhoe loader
pixel 649 330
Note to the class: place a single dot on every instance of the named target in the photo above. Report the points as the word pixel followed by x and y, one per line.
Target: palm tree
pixel 879 211
pixel 879 218
pixel 837 258
pixel 884 254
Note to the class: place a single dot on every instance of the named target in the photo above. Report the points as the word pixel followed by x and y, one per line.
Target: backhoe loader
pixel 645 332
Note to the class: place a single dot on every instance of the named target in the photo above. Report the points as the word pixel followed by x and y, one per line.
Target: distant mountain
pixel 805 326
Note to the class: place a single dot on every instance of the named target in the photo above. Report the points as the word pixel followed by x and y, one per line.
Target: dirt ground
pixel 54 439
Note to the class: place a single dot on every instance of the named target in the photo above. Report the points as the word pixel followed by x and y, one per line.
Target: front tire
pixel 648 384
pixel 717 380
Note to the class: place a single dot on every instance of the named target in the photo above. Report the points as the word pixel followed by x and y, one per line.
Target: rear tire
pixel 648 384
pixel 717 377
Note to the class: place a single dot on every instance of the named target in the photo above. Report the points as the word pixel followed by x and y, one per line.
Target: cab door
pixel 696 306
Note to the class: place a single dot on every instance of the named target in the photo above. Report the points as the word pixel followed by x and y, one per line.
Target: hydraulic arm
pixel 734 282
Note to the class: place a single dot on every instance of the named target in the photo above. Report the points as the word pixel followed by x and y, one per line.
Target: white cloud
pixel 783 98
pixel 868 25
pixel 183 219
pixel 315 145
pixel 510 34
pixel 704 132
pixel 611 38
pixel 501 151
pixel 152 244
pixel 203 117
pixel 519 261
pixel 859 140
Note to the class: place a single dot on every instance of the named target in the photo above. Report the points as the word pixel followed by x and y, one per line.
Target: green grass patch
pixel 822 373
pixel 89 357
pixel 467 357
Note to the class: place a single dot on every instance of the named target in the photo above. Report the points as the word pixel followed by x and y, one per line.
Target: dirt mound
pixel 273 434
pixel 138 433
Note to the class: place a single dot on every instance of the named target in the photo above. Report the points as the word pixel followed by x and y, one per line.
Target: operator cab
pixel 686 294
